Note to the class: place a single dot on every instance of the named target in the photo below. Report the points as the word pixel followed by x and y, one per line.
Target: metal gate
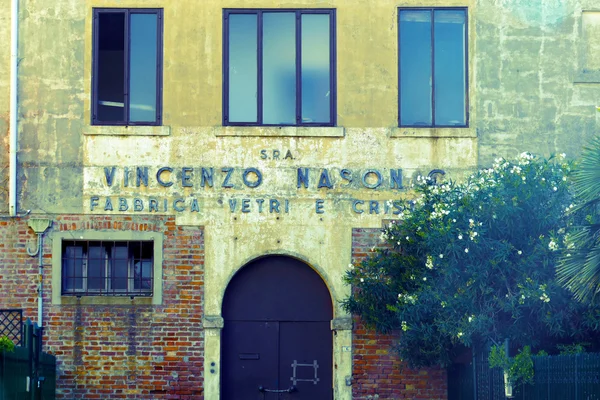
pixel 26 373
pixel 277 340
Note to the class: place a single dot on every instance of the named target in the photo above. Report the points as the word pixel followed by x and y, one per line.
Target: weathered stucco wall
pixel 50 105
pixel 528 89
pixel 57 140
pixel 527 86
pixel 532 91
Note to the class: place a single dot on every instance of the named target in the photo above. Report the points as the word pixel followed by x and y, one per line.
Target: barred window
pixel 107 268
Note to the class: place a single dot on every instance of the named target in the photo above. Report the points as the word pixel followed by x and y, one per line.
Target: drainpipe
pixel 14 31
pixel 39 226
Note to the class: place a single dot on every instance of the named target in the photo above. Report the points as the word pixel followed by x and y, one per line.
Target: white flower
pixel 471 318
pixel 441 256
pixel 459 334
pixel 404 326
pixel 564 178
pixel 466 250
pixel 555 188
pixel 429 262
pixel 519 252
pixel 407 238
pixel 424 278
pixel 350 266
pixel 459 237
pixel 553 245
pixel 382 237
pixel 362 280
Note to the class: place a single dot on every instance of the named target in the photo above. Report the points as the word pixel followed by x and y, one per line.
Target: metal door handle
pixel 288 390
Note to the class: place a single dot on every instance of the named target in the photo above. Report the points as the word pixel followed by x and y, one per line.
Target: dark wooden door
pixel 276 341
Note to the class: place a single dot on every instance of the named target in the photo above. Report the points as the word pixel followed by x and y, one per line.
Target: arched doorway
pixel 276 340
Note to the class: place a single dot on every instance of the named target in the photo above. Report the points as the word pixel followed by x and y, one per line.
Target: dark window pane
pixel 450 71
pixel 415 68
pixel 143 254
pixel 72 268
pixel 119 266
pixel 243 50
pixel 143 275
pixel 279 68
pixel 96 271
pixel 143 34
pixel 315 68
pixel 110 92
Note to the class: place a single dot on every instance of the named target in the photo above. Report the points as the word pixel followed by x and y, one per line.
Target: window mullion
pixel 298 68
pixel 129 268
pixel 126 62
pixel 107 271
pixel 259 69
pixel 84 271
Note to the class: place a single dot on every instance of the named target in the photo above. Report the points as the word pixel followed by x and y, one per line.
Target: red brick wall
pixel 378 372
pixel 18 271
pixel 119 351
pixel 145 352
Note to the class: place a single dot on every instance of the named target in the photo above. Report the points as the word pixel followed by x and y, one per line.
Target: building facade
pixel 199 176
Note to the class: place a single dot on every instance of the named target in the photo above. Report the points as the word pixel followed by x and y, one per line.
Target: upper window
pixel 279 67
pixel 127 70
pixel 591 40
pixel 433 67
pixel 107 267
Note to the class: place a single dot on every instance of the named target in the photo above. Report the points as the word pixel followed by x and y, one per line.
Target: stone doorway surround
pixel 324 249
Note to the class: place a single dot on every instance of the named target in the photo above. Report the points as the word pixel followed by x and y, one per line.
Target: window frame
pixel 432 57
pixel 95 298
pixel 159 65
pixel 259 96
pixel 109 263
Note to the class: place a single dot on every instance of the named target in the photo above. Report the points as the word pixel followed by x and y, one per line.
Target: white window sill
pixel 107 300
pixel 406 132
pixel 118 130
pixel 279 131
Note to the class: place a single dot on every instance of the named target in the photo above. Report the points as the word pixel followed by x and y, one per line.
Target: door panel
pixel 277 312
pixel 250 355
pixel 305 359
